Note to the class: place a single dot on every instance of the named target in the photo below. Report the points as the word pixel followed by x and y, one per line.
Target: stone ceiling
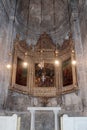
pixel 38 16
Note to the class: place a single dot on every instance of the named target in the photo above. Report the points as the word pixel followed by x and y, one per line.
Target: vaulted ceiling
pixel 38 16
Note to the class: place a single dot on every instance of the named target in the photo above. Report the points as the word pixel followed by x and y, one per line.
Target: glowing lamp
pixel 25 64
pixel 56 62
pixel 74 62
pixel 8 66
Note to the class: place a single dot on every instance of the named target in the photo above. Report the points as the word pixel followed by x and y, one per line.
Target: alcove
pixel 35 71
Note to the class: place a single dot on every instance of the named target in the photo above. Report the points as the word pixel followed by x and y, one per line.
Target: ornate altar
pixel 42 77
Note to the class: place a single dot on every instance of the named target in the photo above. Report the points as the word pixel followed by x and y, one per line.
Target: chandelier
pixel 41 64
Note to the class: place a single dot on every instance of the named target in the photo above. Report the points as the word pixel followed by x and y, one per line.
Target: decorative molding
pixel 33 56
pixel 45 42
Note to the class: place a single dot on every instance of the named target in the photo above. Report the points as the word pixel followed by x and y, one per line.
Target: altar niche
pixel 47 81
pixel 44 77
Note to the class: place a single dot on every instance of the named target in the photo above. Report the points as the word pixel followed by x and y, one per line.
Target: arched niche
pixel 49 81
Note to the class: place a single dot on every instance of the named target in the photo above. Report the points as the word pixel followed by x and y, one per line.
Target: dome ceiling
pixel 38 16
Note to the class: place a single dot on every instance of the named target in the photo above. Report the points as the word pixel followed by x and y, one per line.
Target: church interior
pixel 43 61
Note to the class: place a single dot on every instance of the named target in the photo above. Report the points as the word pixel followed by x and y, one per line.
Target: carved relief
pixel 45 42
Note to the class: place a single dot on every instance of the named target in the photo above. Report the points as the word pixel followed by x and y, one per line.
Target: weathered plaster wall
pixel 46 16
pixel 6 11
pixel 3 39
pixel 83 27
pixel 68 101
pixel 75 104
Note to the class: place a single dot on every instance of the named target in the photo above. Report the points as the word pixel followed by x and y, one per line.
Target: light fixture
pixel 26 53
pixel 56 52
pixel 73 57
pixel 41 64
pixel 8 66
pixel 73 62
pixel 25 63
pixel 73 51
pixel 56 56
pixel 56 62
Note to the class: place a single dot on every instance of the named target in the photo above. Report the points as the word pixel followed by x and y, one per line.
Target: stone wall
pixel 73 104
pixel 37 17
pixel 69 103
pixel 18 103
pixel 79 30
pixel 4 20
pixel 76 103
pixel 83 27
pixel 6 13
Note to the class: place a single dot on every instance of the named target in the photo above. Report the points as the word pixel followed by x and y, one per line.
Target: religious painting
pixel 21 73
pixel 44 77
pixel 67 72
